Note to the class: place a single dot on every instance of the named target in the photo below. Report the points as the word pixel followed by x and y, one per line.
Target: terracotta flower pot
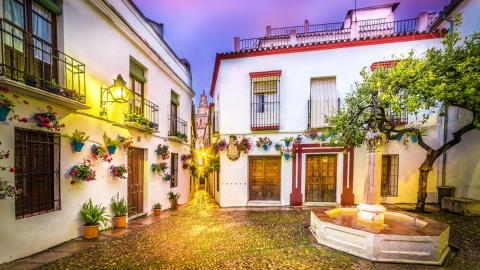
pixel 175 206
pixel 156 211
pixel 90 232
pixel 120 222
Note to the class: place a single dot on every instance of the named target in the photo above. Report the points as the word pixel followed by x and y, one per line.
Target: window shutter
pixel 175 99
pixel 137 72
pixel 324 99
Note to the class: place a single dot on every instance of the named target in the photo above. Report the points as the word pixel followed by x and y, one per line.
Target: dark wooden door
pixel 135 180
pixel 264 178
pixel 321 177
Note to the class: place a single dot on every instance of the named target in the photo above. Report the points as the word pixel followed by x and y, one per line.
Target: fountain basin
pixel 404 237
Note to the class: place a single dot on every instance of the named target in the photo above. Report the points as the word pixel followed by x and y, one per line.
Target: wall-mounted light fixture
pixel 118 92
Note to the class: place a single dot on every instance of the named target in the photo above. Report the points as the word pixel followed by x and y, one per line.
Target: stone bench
pixel 461 206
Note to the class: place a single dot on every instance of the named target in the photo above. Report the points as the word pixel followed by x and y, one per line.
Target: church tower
pixel 202 116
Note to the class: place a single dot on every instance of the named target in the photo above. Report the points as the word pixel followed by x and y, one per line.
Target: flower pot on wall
pixel 120 222
pixel 287 143
pixel 111 149
pixel 414 139
pixel 77 146
pixel 156 211
pixel 399 138
pixel 287 156
pixel 265 147
pixel 90 232
pixel 4 111
pixel 277 147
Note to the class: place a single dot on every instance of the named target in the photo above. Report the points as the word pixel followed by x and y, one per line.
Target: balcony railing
pixel 371 28
pixel 397 118
pixel 327 32
pixel 142 112
pixel 318 109
pixel 29 60
pixel 178 127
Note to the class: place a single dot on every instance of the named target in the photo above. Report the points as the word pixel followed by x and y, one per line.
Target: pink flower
pixel 12 169
pixel 72 182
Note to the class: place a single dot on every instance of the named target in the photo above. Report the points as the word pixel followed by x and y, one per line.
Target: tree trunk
pixel 422 183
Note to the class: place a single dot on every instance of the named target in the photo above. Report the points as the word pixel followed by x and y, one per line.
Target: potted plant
pixel 7 189
pixel 264 142
pixel 244 145
pixel 82 172
pixel 30 80
pixel 159 168
pixel 137 119
pixel 162 151
pixel 222 145
pixel 92 216
pixel 278 146
pixel 167 177
pixel 287 140
pixel 127 143
pixel 119 171
pixel 100 152
pixel 7 105
pixel 311 133
pixel 120 209
pixel 299 138
pixel 287 153
pixel 49 120
pixel 78 139
pixel 173 198
pixel 156 209
pixel 112 144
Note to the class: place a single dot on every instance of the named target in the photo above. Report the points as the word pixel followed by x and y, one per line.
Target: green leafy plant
pixel 49 120
pixel 137 118
pixel 82 172
pixel 159 168
pixel 78 136
pixel 93 214
pixel 111 142
pixel 119 206
pixel 157 206
pixel 173 198
pixel 119 171
pixel 9 103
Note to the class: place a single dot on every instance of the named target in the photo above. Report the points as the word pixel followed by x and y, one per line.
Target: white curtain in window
pixel 42 30
pixel 324 100
pixel 13 12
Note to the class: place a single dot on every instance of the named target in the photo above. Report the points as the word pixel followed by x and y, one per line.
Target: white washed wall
pixel 233 92
pixel 105 49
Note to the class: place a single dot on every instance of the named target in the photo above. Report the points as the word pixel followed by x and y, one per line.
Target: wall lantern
pixel 118 92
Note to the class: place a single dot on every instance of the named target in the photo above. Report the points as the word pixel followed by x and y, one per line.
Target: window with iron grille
pixel 37 172
pixel 174 170
pixel 389 186
pixel 265 100
pixel 323 101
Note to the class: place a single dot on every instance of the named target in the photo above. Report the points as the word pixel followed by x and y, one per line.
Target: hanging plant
pixel 244 145
pixel 311 133
pixel 126 144
pixel 100 152
pixel 159 168
pixel 7 106
pixel 263 142
pixel 162 151
pixel 221 145
pixel 49 120
pixel 185 158
pixel 119 171
pixel 82 172
pixel 7 189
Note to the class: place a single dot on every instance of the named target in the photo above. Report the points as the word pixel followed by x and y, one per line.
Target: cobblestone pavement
pixel 204 236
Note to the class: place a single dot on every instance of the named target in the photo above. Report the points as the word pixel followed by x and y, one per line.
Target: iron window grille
pixel 37 172
pixel 389 185
pixel 265 102
pixel 174 170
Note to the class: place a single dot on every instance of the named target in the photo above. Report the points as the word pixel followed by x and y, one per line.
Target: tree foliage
pixel 443 76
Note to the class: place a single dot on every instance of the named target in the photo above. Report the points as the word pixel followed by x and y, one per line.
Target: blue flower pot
pixel 287 156
pixel 287 143
pixel 4 111
pixel 265 147
pixel 313 137
pixel 322 137
pixel 77 146
pixel 277 147
pixel 414 139
pixel 399 138
pixel 111 149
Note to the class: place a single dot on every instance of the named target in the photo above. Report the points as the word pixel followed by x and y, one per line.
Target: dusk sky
pixel 198 29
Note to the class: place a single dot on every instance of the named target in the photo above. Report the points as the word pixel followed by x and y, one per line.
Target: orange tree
pixel 441 77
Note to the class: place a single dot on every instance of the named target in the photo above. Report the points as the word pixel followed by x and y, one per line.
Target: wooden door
pixel 264 178
pixel 321 177
pixel 135 180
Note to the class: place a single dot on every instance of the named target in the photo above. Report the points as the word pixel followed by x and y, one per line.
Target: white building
pixel 278 85
pixel 83 46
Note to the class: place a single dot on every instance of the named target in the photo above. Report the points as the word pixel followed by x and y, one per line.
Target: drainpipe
pixel 445 123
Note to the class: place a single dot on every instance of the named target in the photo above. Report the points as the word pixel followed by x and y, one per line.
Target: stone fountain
pixel 371 232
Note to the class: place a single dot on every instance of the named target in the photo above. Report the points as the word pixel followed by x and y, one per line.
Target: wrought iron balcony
pixel 318 109
pixel 178 128
pixel 142 112
pixel 29 60
pixel 327 32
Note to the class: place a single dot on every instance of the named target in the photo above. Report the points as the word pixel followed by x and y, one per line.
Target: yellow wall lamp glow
pixel 118 92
